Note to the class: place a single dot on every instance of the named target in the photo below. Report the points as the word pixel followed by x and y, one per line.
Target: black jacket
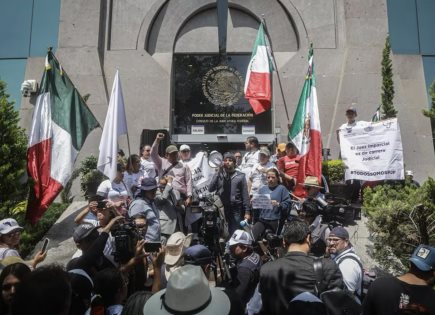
pixel 286 277
pixel 233 190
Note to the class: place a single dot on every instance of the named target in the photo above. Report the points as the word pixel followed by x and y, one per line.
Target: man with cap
pixel 188 292
pixel 144 204
pixel 411 293
pixel 409 178
pixel 351 122
pixel 185 154
pixel 230 185
pixel 350 264
pixel 248 265
pixel 170 165
pixel 279 153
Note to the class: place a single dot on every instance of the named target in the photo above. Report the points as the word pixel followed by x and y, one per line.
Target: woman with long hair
pixel 10 278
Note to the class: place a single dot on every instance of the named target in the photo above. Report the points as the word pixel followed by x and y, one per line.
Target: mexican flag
pixel 258 88
pixel 305 130
pixel 61 122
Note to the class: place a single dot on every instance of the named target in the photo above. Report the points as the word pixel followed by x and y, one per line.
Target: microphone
pixel 247 227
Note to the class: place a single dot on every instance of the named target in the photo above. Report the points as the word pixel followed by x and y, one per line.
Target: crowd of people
pixel 143 247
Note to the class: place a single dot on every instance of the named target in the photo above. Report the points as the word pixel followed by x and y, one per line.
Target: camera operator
pixel 311 213
pixel 231 187
pixel 248 265
pixel 280 198
pixel 144 204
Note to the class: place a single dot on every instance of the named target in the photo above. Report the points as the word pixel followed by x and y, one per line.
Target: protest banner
pixel 373 151
pixel 261 201
pixel 201 174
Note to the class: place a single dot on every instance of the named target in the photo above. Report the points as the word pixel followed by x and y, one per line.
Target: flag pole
pixel 263 20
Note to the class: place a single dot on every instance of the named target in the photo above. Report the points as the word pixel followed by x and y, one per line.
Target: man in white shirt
pixel 351 122
pixel 251 156
pixel 148 167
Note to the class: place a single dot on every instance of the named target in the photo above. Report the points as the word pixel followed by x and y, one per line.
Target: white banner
pixel 373 152
pixel 201 174
pixel 261 201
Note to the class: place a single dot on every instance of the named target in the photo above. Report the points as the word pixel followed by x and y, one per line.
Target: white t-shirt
pixel 7 252
pixel 113 191
pixel 132 180
pixel 248 162
pixel 348 127
pixel 258 176
pixel 148 168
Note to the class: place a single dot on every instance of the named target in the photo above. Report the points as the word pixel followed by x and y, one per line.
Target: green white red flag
pixel 305 130
pixel 61 122
pixel 258 87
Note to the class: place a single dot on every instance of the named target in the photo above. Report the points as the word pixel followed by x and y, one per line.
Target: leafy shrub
pixel 399 218
pixel 333 170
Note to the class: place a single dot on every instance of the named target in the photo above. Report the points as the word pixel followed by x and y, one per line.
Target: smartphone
pixel 152 247
pixel 45 245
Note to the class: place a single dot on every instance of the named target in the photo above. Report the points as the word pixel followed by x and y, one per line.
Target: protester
pixel 283 279
pixel 185 154
pixel 10 236
pixel 136 302
pixel 89 213
pixel 171 166
pixel 272 218
pixel 82 288
pixel 251 156
pixel 411 293
pixel 344 255
pixel 409 178
pixel 132 174
pixel 170 218
pixel 248 265
pixel 45 291
pixel 144 204
pixel 230 185
pixel 288 166
pixel 115 190
pixel 188 292
pixel 148 168
pixel 10 279
pixel 257 177
pixel 279 153
pixel 238 157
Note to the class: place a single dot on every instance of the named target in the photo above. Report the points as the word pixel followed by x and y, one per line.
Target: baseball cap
pixel 8 225
pixel 184 147
pixel 424 257
pixel 230 156
pixel 340 232
pixel 148 183
pixel 171 149
pixel 197 255
pixel 351 109
pixel 175 247
pixel 83 231
pixel 265 151
pixel 240 237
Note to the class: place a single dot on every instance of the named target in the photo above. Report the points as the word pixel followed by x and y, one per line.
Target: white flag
pixel 114 126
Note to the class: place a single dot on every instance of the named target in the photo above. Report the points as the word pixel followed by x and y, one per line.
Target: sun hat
pixel 240 237
pixel 148 183
pixel 311 181
pixel 175 247
pixel 339 232
pixel 83 231
pixel 184 147
pixel 171 149
pixel 423 257
pixel 188 292
pixel 8 225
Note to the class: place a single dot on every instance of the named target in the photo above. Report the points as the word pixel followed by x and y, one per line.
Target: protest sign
pixel 201 174
pixel 261 201
pixel 373 151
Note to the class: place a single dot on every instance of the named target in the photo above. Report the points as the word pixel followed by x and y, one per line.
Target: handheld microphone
pixel 247 227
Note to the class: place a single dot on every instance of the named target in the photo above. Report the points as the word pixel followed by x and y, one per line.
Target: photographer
pixel 248 265
pixel 280 198
pixel 232 189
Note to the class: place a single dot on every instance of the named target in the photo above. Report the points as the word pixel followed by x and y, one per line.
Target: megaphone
pixel 215 159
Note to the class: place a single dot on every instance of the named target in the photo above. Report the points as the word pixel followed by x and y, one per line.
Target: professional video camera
pixel 126 237
pixel 332 209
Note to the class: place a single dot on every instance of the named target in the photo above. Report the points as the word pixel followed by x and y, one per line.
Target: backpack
pixel 367 276
pixel 337 302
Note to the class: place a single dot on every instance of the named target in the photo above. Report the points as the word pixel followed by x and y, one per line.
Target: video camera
pixel 332 209
pixel 126 236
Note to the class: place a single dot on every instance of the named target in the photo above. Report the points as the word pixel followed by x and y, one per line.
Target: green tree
pixel 399 218
pixel 388 110
pixel 13 146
